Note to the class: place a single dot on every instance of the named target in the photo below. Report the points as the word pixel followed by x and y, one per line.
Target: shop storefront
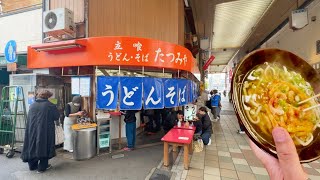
pixel 112 74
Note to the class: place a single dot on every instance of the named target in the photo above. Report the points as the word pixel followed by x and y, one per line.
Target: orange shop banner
pixel 113 51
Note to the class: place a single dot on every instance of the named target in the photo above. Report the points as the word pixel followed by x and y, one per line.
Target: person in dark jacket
pixel 206 125
pixel 154 119
pixel 39 140
pixel 130 119
pixel 165 113
pixel 198 124
pixel 172 120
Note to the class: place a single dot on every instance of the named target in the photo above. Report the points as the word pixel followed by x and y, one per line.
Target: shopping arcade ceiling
pixel 235 27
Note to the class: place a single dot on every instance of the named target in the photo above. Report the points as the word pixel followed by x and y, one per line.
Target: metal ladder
pixel 13 117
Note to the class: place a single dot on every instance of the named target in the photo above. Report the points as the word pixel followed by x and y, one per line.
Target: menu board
pixel 80 86
pixel 75 85
pixel 190 112
pixel 85 86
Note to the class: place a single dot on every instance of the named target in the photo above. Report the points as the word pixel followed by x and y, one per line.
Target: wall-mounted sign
pixel 208 62
pixel 190 111
pixel 107 92
pixel 182 90
pixel 75 85
pixel 230 75
pixel 171 93
pixel 12 67
pixel 80 86
pixel 120 51
pixel 152 93
pixel 85 86
pixel 130 93
pixel 10 51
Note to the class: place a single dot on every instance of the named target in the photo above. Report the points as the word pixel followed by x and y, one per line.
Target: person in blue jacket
pixel 130 119
pixel 215 104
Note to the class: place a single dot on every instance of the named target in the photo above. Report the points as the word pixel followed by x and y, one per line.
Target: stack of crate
pixel 104 140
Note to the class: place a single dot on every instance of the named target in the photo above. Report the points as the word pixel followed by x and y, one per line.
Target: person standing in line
pixel 39 140
pixel 130 119
pixel 72 112
pixel 215 104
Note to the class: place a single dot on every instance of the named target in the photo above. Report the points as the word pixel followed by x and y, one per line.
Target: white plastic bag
pixel 59 135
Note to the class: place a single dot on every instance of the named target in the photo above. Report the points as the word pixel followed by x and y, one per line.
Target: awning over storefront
pixel 112 51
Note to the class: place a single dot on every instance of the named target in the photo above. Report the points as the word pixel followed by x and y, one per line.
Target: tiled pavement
pixel 229 157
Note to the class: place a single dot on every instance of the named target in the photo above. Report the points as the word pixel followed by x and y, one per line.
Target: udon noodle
pixel 271 94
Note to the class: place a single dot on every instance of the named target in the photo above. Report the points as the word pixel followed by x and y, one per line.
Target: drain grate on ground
pixel 227 112
pixel 159 174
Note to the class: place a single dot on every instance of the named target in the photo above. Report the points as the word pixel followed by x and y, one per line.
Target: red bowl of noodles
pixel 272 87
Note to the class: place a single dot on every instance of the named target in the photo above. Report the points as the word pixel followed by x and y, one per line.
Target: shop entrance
pixel 114 75
pixel 149 124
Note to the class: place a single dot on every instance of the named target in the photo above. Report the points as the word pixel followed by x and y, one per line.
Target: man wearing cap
pixel 72 112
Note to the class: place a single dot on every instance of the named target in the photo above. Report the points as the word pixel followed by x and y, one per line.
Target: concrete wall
pixel 25 28
pixel 301 42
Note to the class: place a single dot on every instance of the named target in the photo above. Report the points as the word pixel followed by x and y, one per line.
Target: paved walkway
pixel 229 156
pixel 135 165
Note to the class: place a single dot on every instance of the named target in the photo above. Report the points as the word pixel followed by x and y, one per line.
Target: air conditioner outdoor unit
pixel 58 22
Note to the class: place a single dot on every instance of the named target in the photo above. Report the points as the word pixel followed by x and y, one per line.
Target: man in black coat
pixel 39 141
pixel 172 120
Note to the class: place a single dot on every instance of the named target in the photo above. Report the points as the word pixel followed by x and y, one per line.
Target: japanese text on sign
pixel 136 55
pixel 154 93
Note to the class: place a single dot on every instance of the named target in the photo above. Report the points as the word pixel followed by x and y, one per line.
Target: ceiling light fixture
pixel 233 21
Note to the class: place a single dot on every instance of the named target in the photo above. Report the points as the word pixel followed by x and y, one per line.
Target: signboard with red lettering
pixel 208 62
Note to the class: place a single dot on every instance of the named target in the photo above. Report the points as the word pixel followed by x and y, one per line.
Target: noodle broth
pixel 270 95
